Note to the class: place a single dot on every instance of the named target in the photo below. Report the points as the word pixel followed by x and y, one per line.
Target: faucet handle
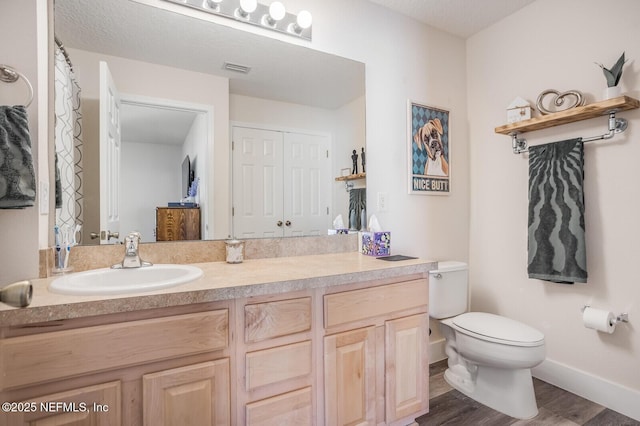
pixel 131 242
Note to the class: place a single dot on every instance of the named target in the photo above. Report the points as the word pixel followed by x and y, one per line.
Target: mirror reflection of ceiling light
pixel 246 7
pixel 212 4
pixel 273 17
pixel 303 21
pixel 276 13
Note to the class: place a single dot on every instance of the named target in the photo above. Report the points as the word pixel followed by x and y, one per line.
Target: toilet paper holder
pixel 623 317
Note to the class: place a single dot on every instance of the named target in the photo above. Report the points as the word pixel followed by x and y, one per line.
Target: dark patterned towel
pixel 357 204
pixel 557 250
pixel 17 176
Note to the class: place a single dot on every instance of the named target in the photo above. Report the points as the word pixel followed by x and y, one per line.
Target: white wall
pixel 404 59
pixel 552 44
pixel 146 166
pixel 19 228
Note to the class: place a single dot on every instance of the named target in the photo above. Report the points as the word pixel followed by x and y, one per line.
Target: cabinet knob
pixel 288 223
pixel 279 223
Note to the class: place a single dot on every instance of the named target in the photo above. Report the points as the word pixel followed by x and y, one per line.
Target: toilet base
pixel 509 391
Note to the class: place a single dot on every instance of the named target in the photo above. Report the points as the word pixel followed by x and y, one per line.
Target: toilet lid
pixel 500 328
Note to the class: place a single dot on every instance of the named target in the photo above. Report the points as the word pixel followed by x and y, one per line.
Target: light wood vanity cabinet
pixel 376 364
pixel 336 355
pixel 276 360
pixel 142 371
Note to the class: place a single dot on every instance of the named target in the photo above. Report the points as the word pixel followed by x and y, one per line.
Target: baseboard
pixel 601 391
pixel 436 351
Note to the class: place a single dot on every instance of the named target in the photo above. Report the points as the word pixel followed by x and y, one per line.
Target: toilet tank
pixel 448 289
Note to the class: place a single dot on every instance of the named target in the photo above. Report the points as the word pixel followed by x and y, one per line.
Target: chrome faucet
pixel 131 256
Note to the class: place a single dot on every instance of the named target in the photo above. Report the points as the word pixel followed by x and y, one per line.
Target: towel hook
pixel 10 75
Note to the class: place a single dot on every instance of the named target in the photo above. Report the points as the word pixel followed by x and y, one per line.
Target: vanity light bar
pixel 272 17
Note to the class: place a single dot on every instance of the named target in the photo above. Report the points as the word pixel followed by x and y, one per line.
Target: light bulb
pixel 277 11
pixel 304 19
pixel 212 4
pixel 248 6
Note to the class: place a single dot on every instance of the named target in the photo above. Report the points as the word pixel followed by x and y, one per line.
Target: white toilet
pixel 490 356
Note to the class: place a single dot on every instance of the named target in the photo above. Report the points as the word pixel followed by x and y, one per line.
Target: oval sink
pixel 107 281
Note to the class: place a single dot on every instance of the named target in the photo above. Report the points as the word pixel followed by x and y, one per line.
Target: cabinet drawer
pixel 354 305
pixel 47 356
pixel 292 408
pixel 274 319
pixel 275 365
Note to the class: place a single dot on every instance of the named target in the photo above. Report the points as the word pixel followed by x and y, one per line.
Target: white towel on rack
pixel 17 175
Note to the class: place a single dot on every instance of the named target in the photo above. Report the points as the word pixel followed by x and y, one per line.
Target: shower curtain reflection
pixel 68 144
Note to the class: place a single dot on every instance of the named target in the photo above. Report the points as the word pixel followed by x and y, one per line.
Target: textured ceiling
pixel 459 17
pixel 279 70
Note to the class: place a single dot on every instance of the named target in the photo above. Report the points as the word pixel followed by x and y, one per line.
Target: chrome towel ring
pixel 10 75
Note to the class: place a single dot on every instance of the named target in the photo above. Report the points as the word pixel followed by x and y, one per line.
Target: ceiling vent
pixel 236 68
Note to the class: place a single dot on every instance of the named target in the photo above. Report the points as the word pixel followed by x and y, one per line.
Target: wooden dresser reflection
pixel 177 223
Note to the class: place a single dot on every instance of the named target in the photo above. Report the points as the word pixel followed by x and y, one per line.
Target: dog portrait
pixel 429 149
pixel 429 138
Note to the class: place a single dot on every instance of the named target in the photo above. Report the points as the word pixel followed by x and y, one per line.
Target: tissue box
pixel 376 243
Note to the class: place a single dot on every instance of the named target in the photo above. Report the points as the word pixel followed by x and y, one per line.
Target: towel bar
pixel 10 75
pixel 616 125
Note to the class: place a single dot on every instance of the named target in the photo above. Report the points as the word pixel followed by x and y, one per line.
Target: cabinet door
pixel 406 366
pixel 349 377
pixel 97 405
pixel 195 395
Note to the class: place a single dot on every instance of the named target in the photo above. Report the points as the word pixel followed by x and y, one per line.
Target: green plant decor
pixel 613 75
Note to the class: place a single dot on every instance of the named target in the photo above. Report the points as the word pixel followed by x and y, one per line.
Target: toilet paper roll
pixel 599 319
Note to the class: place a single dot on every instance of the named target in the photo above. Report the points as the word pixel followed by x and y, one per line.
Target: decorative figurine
pixel 354 158
pixel 363 161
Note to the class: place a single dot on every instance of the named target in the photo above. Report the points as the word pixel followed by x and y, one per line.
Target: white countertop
pixel 220 281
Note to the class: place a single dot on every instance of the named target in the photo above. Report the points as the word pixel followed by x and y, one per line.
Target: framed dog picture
pixel 429 150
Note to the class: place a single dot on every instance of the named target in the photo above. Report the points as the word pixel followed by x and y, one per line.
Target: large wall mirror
pixel 180 110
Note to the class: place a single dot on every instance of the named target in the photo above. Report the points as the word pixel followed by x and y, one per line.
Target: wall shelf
pixel 596 109
pixel 351 177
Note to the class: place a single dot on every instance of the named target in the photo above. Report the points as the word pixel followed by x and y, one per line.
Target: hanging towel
pixel 17 176
pixel 58 181
pixel 357 205
pixel 557 250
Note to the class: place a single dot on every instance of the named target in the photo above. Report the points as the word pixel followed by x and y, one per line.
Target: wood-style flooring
pixel 556 406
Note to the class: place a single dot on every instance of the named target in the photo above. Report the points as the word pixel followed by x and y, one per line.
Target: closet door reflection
pixel 280 183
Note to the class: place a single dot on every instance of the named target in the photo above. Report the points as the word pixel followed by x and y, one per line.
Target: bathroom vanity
pixel 325 339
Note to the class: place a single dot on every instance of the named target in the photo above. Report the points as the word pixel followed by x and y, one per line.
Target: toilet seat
pixel 498 329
